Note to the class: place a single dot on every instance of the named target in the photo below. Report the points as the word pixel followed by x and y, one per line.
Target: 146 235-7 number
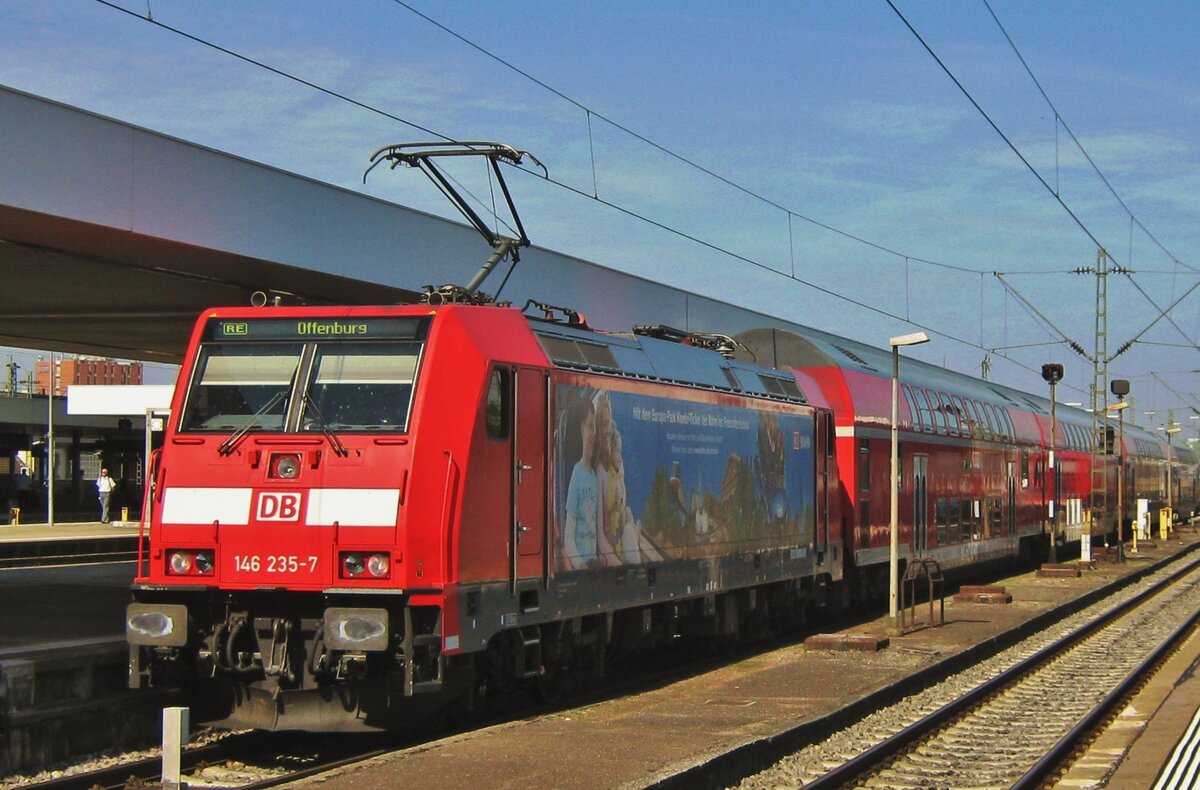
pixel 274 563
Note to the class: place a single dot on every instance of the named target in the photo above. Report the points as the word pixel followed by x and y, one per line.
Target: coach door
pixel 824 456
pixel 529 474
pixel 920 504
pixel 1011 520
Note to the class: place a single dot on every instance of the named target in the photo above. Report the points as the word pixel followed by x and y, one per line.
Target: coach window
pixel 912 407
pixel 955 532
pixel 1006 429
pixel 965 424
pixel 951 415
pixel 997 421
pixel 985 415
pixel 925 414
pixel 979 428
pixel 940 515
pixel 497 405
pixel 864 465
pixel 939 415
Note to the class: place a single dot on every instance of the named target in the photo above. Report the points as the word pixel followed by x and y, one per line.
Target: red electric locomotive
pixel 358 508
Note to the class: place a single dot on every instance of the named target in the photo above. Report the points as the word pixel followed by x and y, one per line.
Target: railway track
pixel 68 551
pixel 259 760
pixel 242 763
pixel 1016 719
pixel 249 760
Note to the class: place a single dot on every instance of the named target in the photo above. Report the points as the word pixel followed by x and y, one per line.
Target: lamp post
pixel 50 456
pixel 916 338
pixel 1052 372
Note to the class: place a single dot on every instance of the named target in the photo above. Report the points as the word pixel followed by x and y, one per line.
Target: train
pixel 362 516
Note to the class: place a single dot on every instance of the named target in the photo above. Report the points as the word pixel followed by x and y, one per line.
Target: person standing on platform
pixel 24 486
pixel 104 489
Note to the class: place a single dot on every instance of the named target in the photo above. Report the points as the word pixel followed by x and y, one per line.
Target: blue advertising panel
pixel 646 479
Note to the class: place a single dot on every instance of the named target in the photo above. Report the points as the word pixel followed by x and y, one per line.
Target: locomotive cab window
pixel 498 405
pixel 361 387
pixel 236 384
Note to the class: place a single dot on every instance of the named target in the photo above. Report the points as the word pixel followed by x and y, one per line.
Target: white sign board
pixel 121 400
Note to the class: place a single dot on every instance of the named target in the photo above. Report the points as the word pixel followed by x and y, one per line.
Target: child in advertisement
pixel 620 532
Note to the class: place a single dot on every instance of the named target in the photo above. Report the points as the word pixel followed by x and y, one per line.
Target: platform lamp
pixel 914 339
pixel 1052 372
pixel 1120 388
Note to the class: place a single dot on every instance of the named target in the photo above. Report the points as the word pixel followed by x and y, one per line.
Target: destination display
pixel 234 330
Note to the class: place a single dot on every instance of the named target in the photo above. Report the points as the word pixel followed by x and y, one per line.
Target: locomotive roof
pixel 641 357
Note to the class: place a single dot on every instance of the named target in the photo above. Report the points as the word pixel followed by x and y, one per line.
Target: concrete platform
pixel 639 740
pixel 85 530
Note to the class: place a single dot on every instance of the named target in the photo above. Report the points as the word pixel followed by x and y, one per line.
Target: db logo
pixel 278 507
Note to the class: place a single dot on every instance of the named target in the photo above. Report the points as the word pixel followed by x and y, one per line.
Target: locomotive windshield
pixel 245 382
pixel 362 386
pixel 242 384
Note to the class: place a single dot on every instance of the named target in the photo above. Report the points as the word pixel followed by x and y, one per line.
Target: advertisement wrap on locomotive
pixel 673 481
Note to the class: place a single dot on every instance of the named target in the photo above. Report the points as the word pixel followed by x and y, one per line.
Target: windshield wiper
pixel 229 445
pixel 339 449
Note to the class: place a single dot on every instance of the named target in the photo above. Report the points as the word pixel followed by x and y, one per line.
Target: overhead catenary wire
pixel 1162 313
pixel 1007 141
pixel 591 112
pixel 1037 314
pixel 1060 120
pixel 370 108
pixel 563 185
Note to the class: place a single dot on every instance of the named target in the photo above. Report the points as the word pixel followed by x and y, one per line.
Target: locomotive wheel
pixel 555 683
pixel 556 680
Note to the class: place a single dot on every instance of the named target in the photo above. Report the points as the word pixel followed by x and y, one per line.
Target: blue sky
pixel 834 112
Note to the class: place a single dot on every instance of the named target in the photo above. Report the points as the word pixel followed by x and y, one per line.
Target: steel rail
pixel 885 750
pixel 1036 776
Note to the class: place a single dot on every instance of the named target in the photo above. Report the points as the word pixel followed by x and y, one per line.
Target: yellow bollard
pixel 124 514
pixel 1164 521
pixel 14 516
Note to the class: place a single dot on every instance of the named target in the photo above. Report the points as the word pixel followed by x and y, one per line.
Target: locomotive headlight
pixel 352 564
pixel 285 466
pixel 204 562
pixel 190 563
pixel 378 565
pixel 181 562
pixel 356 629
